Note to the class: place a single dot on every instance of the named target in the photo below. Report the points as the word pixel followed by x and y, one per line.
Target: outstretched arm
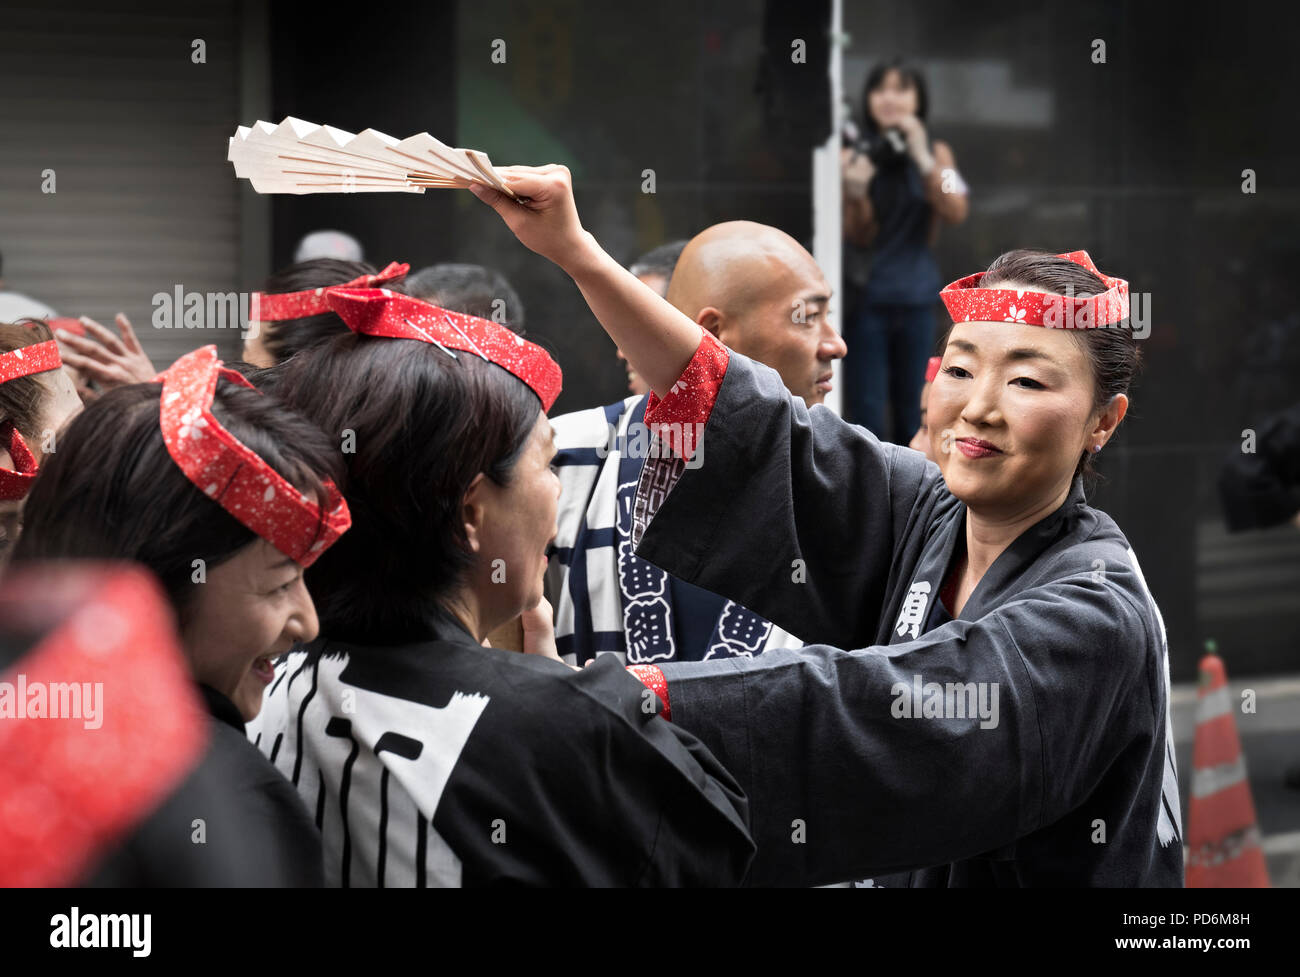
pixel 842 785
pixel 820 505
pixel 656 338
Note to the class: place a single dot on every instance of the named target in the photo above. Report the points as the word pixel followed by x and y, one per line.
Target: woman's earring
pixel 1096 448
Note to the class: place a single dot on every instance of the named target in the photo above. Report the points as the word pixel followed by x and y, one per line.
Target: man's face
pixel 789 329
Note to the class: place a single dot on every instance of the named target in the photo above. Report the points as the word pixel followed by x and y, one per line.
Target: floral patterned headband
pixel 379 312
pixel 298 305
pixel 968 302
pixel 234 476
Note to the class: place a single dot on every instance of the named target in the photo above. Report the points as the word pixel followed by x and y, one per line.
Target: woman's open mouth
pixel 264 668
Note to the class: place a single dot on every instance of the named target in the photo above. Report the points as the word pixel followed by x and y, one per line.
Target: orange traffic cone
pixel 1222 836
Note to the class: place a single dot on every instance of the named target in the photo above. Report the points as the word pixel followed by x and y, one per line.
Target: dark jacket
pixel 234 821
pixel 820 527
pixel 441 762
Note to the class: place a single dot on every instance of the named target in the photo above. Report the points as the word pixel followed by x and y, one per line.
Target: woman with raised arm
pixel 989 701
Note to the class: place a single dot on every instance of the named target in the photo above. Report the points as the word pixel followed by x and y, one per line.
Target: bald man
pixel 762 294
pixel 759 291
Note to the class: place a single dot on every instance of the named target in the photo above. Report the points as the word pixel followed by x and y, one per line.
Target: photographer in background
pixel 898 186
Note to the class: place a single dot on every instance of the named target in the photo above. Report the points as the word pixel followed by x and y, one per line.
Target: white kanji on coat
pixel 912 616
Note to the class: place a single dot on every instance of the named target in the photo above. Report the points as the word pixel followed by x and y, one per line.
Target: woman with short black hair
pixel 428 758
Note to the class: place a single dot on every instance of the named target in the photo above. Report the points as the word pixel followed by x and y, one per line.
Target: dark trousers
pixel 885 367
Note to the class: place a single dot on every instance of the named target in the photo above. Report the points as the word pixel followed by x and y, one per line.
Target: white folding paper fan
pixel 301 157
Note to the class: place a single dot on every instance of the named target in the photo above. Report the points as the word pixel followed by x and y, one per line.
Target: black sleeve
pixel 844 784
pixel 234 821
pixel 281 837
pixel 583 784
pixel 791 512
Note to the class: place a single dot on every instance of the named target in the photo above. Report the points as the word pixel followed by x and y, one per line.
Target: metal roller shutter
pixel 135 132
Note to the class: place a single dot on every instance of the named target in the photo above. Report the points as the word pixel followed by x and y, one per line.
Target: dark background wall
pixel 134 131
pixel 396 79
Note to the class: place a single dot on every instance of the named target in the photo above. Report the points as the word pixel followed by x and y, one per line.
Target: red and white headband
pixel 233 475
pixel 298 305
pixel 379 312
pixel 27 360
pixel 15 483
pixel 66 324
pixel 967 302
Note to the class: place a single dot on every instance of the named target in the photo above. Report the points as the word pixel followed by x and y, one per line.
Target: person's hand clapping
pixel 547 221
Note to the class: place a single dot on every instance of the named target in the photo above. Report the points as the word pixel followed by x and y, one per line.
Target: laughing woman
pixel 225 496
pixel 989 701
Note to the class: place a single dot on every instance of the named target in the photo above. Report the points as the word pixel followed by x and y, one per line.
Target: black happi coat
pixel 254 830
pixel 829 533
pixel 442 762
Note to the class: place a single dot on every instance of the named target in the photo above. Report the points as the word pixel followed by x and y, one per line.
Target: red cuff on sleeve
pixel 652 678
pixel 680 417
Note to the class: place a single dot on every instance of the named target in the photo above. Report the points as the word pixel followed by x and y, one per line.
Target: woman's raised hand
pixel 657 339
pixel 547 220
